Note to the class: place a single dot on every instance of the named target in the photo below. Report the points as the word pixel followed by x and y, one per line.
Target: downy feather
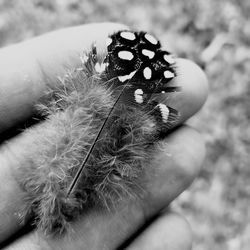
pixel 94 143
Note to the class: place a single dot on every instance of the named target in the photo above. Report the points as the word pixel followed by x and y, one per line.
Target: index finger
pixel 27 67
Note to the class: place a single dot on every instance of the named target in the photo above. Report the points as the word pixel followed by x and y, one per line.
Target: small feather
pixel 101 121
pixel 93 144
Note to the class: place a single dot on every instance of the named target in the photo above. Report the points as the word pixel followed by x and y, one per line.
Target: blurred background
pixel 216 35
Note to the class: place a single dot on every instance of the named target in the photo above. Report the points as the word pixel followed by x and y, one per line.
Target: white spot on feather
pixel 109 41
pixel 147 73
pixel 164 111
pixel 169 59
pixel 138 96
pixel 125 55
pixel 128 35
pixel 126 77
pixel 100 67
pixel 151 39
pixel 139 92
pixel 150 54
pixel 168 74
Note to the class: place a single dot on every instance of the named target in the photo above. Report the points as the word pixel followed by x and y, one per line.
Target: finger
pixel 175 165
pixel 27 67
pixel 169 231
pixel 193 89
pixel 193 92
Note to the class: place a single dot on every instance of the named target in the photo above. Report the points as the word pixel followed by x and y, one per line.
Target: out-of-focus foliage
pixel 215 34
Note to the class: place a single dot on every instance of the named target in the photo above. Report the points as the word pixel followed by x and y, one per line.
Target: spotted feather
pixel 147 67
pixel 101 123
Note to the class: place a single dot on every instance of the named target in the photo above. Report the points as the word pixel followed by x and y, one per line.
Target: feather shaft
pixel 80 170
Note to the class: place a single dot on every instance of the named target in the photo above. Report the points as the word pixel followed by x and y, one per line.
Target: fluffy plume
pixel 74 111
pixel 100 124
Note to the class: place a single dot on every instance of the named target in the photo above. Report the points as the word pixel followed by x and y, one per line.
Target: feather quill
pixel 101 122
pixel 77 176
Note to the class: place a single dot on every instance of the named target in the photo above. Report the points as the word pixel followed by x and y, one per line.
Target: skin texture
pixel 177 161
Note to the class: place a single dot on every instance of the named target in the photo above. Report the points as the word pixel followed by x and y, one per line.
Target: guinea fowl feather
pixel 101 123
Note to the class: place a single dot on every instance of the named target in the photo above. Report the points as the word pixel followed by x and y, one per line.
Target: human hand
pixel 22 83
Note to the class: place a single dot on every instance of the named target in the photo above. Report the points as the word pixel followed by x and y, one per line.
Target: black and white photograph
pixel 125 125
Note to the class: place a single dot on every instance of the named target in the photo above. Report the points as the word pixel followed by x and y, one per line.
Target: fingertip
pixel 193 80
pixel 168 231
pixel 179 232
pixel 194 89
